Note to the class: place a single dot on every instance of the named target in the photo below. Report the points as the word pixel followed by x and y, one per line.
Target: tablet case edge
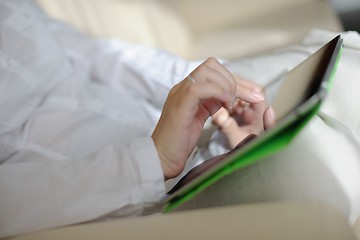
pixel 262 149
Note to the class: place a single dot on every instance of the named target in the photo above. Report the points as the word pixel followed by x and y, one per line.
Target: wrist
pixel 170 168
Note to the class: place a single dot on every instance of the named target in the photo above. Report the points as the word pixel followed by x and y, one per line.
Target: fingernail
pixel 272 113
pixel 258 95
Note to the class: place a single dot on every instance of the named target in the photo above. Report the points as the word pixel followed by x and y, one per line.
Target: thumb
pixel 269 118
pixel 229 127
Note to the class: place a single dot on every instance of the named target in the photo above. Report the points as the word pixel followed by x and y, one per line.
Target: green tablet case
pixel 267 146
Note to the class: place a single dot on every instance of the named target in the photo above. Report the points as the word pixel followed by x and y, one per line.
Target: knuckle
pixel 211 61
pixel 174 90
pixel 202 67
pixel 191 89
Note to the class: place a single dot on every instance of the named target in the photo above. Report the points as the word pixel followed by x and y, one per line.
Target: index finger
pixel 249 95
pixel 250 84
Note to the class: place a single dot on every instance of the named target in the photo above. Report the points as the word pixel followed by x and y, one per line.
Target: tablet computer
pixel 298 99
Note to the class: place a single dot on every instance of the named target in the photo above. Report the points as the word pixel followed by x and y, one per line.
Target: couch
pixel 196 29
pixel 296 221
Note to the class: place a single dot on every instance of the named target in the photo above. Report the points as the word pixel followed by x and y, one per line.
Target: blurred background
pixel 196 29
pixel 348 12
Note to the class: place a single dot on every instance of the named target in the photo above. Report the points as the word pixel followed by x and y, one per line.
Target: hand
pixel 244 119
pixel 188 106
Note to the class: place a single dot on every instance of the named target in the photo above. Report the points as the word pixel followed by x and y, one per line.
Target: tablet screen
pixel 303 82
pixel 299 90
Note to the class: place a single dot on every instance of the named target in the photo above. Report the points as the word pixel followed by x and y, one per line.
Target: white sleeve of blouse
pixel 54 169
pixel 39 192
pixel 146 71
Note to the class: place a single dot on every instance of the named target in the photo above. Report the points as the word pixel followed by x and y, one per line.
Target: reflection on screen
pixel 300 83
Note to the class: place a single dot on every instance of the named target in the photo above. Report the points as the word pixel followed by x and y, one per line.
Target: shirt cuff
pixel 151 174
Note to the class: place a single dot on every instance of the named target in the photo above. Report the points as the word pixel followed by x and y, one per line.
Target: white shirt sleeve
pixel 71 149
pixel 39 193
pixel 146 71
